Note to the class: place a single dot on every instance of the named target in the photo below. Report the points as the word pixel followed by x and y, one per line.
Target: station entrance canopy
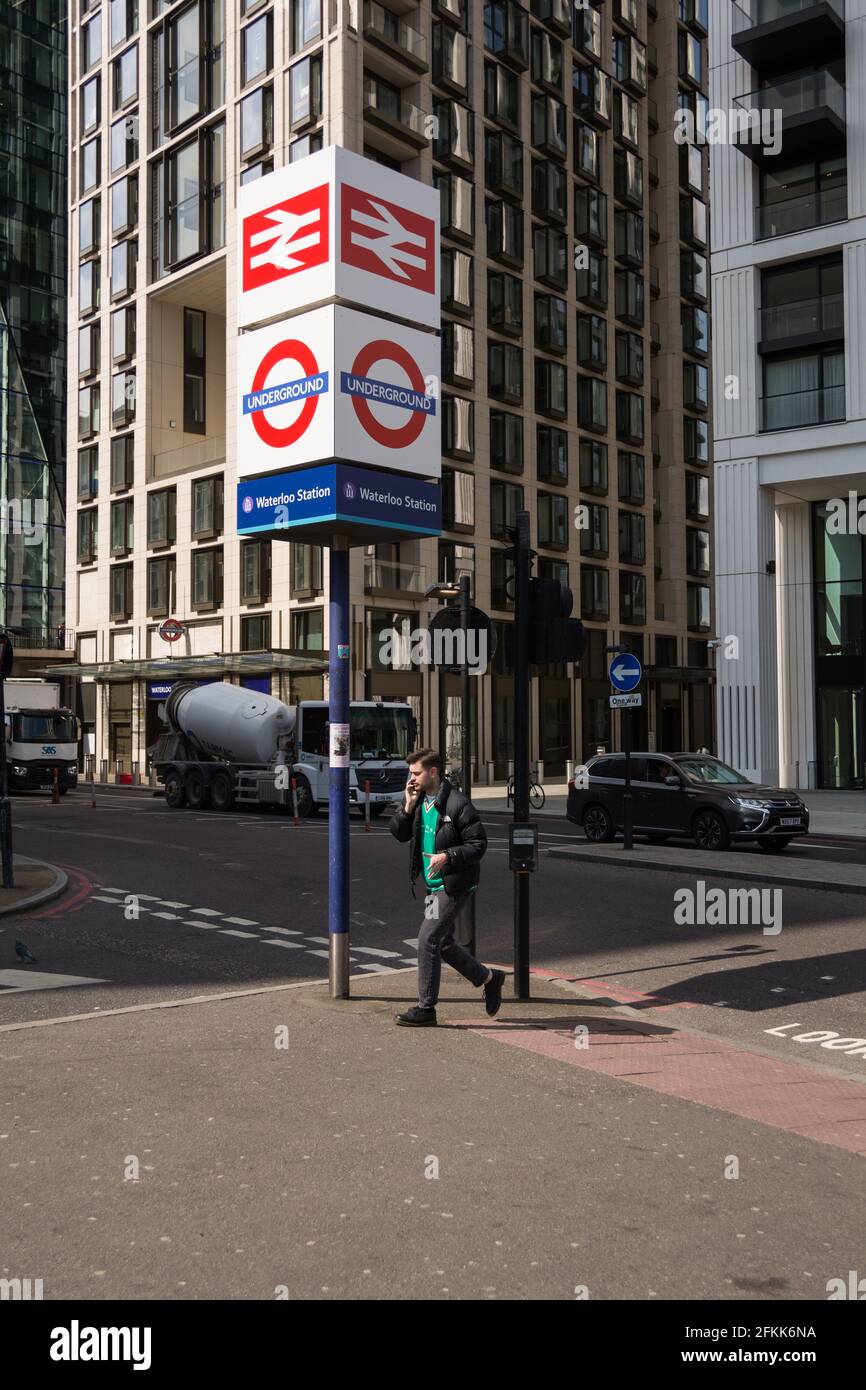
pixel 194 667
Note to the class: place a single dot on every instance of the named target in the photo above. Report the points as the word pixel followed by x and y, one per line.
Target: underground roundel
pixel 366 390
pixel 299 381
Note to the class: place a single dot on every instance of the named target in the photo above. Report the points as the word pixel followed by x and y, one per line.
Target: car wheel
pixel 657 839
pixel 304 802
pixel 175 796
pixel 776 845
pixel 222 792
pixel 197 790
pixel 710 831
pixel 598 825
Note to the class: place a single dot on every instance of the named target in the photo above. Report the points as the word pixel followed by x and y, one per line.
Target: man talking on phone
pixel 447 841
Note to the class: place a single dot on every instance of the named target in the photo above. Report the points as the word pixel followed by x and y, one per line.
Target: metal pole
pixel 367 825
pixel 5 805
pixel 338 777
pixel 521 749
pixel 466 748
pixel 626 796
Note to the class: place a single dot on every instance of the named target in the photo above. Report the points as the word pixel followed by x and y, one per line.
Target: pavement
pixel 35 882
pixel 277 1143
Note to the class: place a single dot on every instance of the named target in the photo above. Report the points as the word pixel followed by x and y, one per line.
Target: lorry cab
pixel 38 742
pixel 381 736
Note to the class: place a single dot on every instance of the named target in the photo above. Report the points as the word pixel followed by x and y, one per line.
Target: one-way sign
pixel 625 671
pixel 626 701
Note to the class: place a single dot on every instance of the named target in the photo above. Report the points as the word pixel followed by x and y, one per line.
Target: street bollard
pixel 295 819
pixel 55 790
pixel 103 770
pixel 136 775
pixel 118 768
pixel 367 825
pixel 92 788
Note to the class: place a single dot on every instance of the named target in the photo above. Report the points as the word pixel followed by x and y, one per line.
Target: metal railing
pixel 754 12
pixel 797 97
pixel 797 213
pixel 391 575
pixel 40 638
pixel 378 20
pixel 798 409
pixel 803 316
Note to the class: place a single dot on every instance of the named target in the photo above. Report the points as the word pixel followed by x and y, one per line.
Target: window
pixel 553 520
pixel 124 258
pixel 124 205
pixel 549 190
pixel 506 441
pixel 161 586
pixel 451 58
pixel 89 164
pixel 501 95
pixel 187 67
pixel 696 440
pixel 255 571
pixel 306 23
pixel 693 220
pixel 629 297
pixel 88 473
pixel 122 462
pixel 87 532
pixel 124 143
pixel 88 349
pixel 504 302
pixel 594 590
pixel 592 280
pixel 628 236
pixel 88 287
pixel 594 538
pixel 457 280
pixel 256 633
pixel 592 404
pixel 632 538
pixel 587 147
pixel 257 120
pixel 185 94
pixel 696 331
pixel 503 163
pixel 194 371
pixel 629 358
pixel 548 126
pixel 299 149
pixel 590 215
pixel 506 27
pixel 506 500
pixel 505 372
pixel 458 354
pixel 124 73
pixel 550 323
pixel 590 94
pixel 807 389
pixel 551 393
pixel 455 133
pixel 626 118
pixel 454 561
pixel 695 386
pixel 697 551
pixel 546 60
pixel 628 177
pixel 458 500
pixel 550 256
pixel 629 417
pixel 121 593
pixel 629 63
pixel 88 227
pixel 457 197
pixel 504 233
pixel 458 427
pixel 632 478
pixel 692 168
pixel 697 497
pixel 698 606
pixel 586 31
pixel 207 578
pixel 161 514
pixel 121 527
pixel 91 43
pixel 551 447
pixel 88 411
pixel 592 341
pixel 124 20
pixel 306 570
pixel 265 166
pixel 123 388
pixel 797 196
pixel 632 597
pixel 123 334
pixel 90 106
pixel 305 91
pixel 593 467
pixel 207 508
pixel 690 66
pixel 693 275
pixel 257 48
pixel 308 630
pixel 188 196
pixel 626 12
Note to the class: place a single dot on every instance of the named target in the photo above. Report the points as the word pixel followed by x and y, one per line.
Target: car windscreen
pixel 42 728
pixel 710 772
pixel 380 733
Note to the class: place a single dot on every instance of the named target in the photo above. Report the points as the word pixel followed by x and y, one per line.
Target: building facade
pixel 788 259
pixel 33 304
pixel 575 345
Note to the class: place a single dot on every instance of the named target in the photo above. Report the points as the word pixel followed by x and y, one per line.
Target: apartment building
pixel 33 216
pixel 788 259
pixel 575 345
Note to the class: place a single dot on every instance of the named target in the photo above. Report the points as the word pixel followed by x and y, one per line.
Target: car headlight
pixel 73 769
pixel 19 771
pixel 746 803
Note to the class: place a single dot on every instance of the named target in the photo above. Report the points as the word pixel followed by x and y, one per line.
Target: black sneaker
pixel 493 992
pixel 417 1018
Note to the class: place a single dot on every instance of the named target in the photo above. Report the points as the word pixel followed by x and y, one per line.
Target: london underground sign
pixel 338 384
pixel 337 225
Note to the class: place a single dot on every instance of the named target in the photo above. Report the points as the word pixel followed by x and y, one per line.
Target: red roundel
pixel 382 349
pixel 171 630
pixel 293 350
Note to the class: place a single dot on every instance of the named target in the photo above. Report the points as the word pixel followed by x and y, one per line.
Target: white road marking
pixel 410 941
pixel 289 945
pixel 241 921
pixel 205 926
pixel 374 951
pixel 166 902
pixel 229 931
pixel 97 898
pixel 284 931
pixel 409 960
pixel 381 969
pixel 324 939
pixel 19 981
pixel 318 953
pixel 206 912
pixel 169 916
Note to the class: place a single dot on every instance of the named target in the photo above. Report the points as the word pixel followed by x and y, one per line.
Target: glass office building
pixel 33 248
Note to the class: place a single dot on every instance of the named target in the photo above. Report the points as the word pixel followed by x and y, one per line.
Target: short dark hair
pixel 427 757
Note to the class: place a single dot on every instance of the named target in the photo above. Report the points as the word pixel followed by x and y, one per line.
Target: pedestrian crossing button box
pixel 523 847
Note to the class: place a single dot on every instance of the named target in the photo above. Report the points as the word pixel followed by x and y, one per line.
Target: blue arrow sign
pixel 625 672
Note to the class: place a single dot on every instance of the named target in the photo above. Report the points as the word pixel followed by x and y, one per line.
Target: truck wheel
pixel 197 790
pixel 175 796
pixel 303 799
pixel 222 792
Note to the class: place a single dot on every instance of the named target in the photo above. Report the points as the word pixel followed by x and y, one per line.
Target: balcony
pixel 394 38
pixel 655 281
pixel 796 214
pixel 655 393
pixel 399 119
pixel 41 639
pixel 203 454
pixel 804 323
pixel 798 409
pixel 390 579
pixel 812 111
pixel 788 33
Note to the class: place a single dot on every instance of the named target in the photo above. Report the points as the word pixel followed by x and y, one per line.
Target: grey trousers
pixel 436 943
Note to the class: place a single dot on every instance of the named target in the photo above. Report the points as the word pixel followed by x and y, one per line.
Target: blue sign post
pixel 338 771
pixel 625 672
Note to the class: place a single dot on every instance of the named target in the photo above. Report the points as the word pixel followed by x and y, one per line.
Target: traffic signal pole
pixel 5 804
pixel 466 750
pixel 627 841
pixel 338 771
pixel 521 748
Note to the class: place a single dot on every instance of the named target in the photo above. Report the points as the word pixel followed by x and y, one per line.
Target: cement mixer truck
pixel 228 746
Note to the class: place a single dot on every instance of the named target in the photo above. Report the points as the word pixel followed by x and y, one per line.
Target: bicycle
pixel 536 794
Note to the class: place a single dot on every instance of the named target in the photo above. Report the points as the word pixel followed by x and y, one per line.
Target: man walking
pixel 447 841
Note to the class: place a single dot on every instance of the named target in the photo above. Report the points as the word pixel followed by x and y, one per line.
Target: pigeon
pixel 23 953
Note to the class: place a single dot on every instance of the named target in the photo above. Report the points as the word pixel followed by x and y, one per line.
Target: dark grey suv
pixel 684 795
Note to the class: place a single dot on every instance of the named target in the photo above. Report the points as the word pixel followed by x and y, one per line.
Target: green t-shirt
pixel 429 817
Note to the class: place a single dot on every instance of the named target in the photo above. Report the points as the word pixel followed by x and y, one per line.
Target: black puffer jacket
pixel 459 834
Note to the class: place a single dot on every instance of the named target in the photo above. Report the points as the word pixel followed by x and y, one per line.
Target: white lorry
pixel 229 745
pixel 41 737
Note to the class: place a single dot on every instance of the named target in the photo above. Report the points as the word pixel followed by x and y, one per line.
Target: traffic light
pixel 554 636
